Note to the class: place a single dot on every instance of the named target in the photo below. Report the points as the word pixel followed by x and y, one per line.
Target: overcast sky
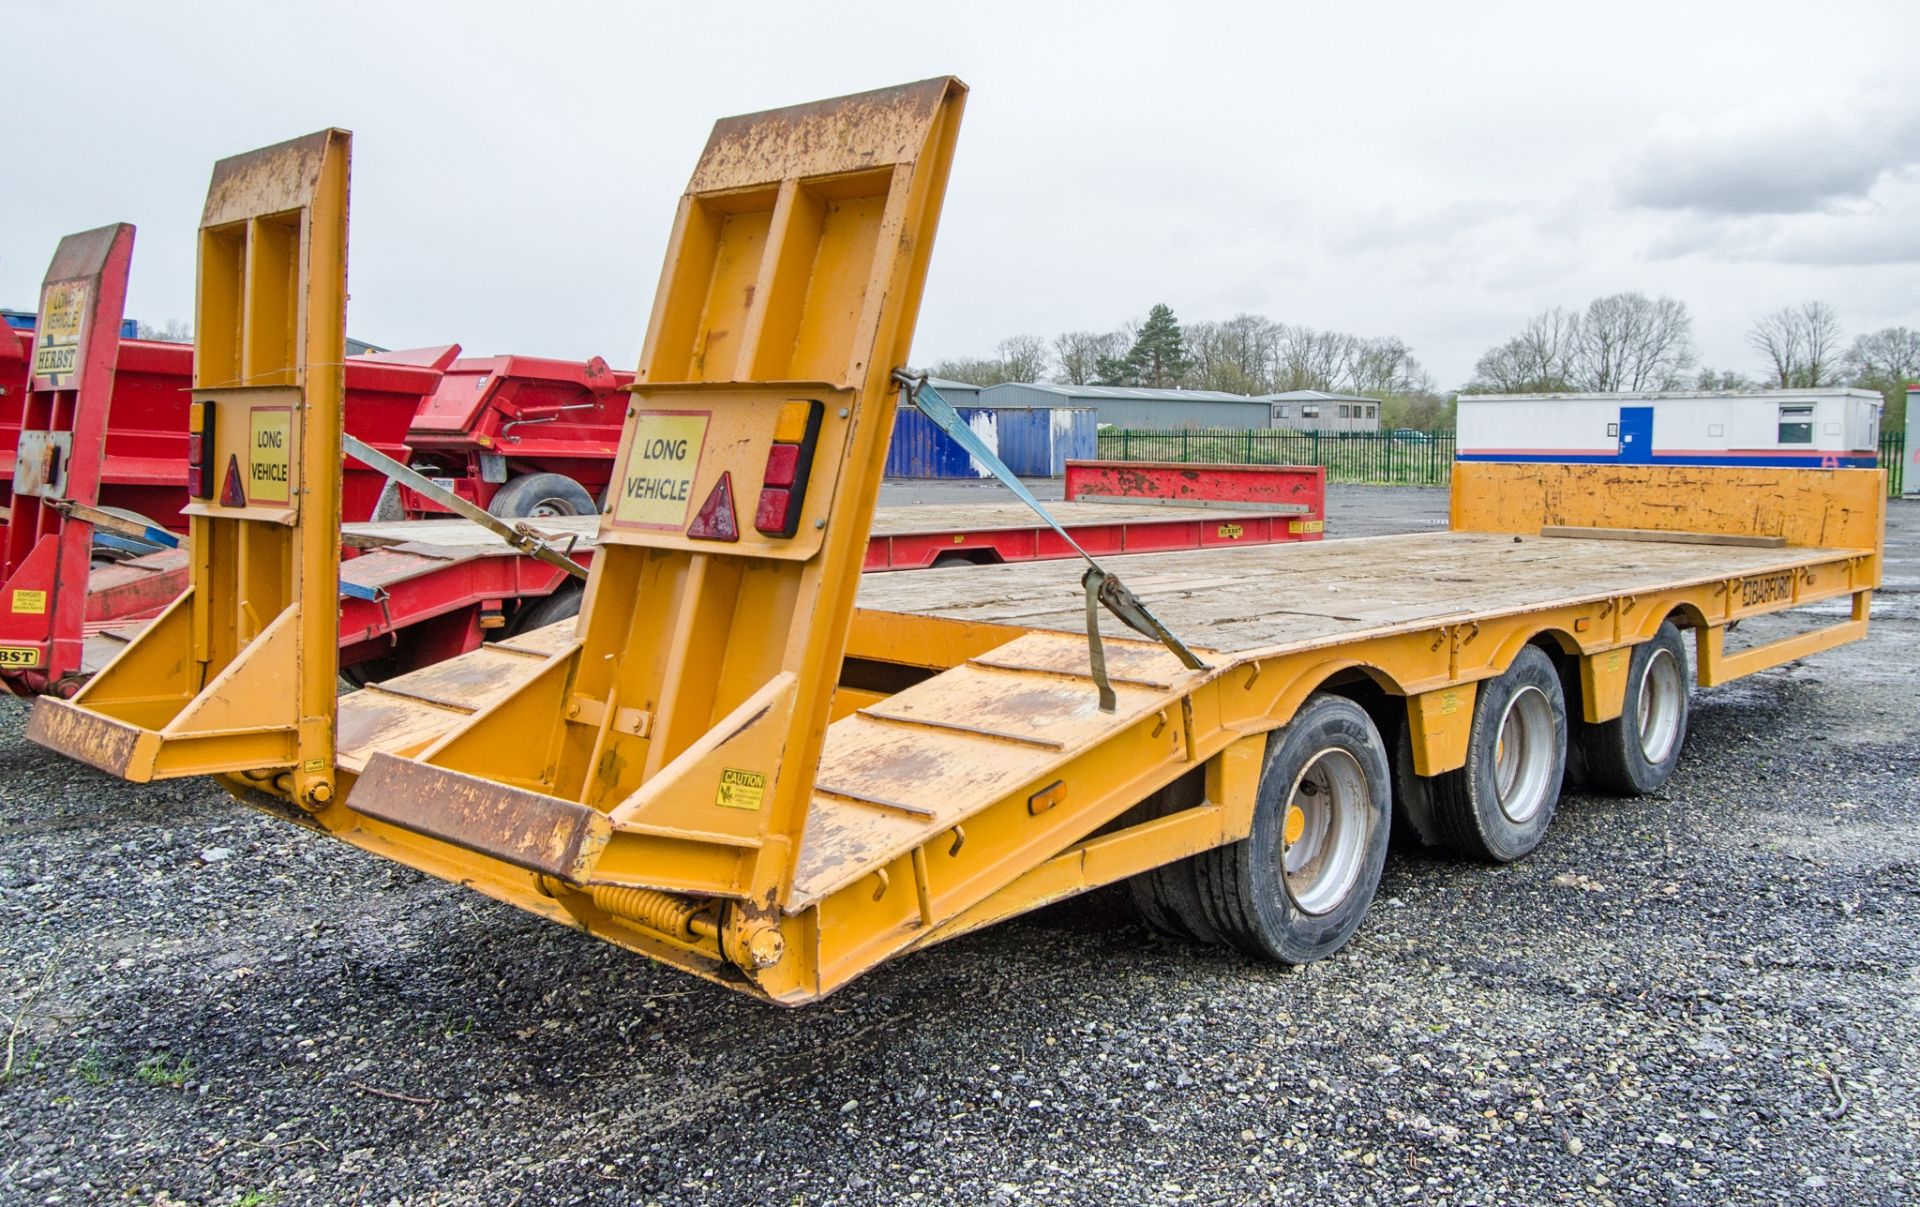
pixel 1438 172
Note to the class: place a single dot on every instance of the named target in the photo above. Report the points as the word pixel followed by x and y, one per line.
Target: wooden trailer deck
pixel 1263 598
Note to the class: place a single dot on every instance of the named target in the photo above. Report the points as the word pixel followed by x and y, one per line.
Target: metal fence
pixel 1385 458
pixel 1397 459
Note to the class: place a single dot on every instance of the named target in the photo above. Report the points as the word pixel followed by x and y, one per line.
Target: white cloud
pixel 1791 154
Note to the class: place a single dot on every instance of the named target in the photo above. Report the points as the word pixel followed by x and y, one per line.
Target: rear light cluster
pixel 200 449
pixel 783 488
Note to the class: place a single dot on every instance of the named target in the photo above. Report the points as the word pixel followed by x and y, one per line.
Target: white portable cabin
pixel 1829 429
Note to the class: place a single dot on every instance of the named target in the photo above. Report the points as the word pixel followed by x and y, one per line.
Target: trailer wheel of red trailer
pixel 1499 805
pixel 1296 888
pixel 1637 752
pixel 563 604
pixel 532 495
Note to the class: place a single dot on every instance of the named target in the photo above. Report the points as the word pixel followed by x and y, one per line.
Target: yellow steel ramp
pixel 913 768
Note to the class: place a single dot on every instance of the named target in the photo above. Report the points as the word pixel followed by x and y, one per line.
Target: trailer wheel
pixel 1636 752
pixel 1168 896
pixel 1497 807
pixel 563 604
pixel 1413 824
pixel 1296 888
pixel 540 495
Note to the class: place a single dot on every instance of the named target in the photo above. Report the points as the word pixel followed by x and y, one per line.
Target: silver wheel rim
pixel 547 509
pixel 1662 691
pixel 1323 831
pixel 1523 755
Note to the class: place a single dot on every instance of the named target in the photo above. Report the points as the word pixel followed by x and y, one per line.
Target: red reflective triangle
pixel 232 494
pixel 714 521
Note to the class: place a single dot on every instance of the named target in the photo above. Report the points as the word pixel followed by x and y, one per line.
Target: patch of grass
pixel 22 1064
pixel 89 1069
pixel 256 1198
pixel 451 1026
pixel 164 1069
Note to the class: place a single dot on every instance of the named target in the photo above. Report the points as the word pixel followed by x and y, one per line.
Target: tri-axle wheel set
pixel 1297 887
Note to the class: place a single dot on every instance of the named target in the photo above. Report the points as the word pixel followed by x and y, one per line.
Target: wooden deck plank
pixel 1244 600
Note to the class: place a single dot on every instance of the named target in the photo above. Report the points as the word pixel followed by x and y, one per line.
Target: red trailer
pixel 518 435
pixel 92 423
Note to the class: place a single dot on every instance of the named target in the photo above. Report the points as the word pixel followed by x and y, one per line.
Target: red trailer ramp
pixel 59 453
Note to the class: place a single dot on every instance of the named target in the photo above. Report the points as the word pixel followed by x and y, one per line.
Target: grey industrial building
pixel 1160 410
pixel 1318 411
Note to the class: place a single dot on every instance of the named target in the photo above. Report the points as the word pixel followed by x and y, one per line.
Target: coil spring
pixel 661 911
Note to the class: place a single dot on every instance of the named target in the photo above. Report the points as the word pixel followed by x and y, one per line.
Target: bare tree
pixel 1721 379
pixel 1306 359
pixel 173 331
pixel 973 370
pixel 1885 359
pixel 1539 360
pixel 1629 341
pixel 1024 358
pixel 1801 344
pixel 1079 353
pixel 1625 341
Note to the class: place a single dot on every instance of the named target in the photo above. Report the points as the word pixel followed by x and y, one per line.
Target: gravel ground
pixel 1707 996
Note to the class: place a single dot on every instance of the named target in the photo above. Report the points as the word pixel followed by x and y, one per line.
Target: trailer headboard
pixel 1816 508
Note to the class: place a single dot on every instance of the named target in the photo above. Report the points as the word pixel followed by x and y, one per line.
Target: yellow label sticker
pixel 656 488
pixel 1613 661
pixel 30 602
pixel 1298 526
pixel 56 342
pixel 1449 703
pixel 269 454
pixel 314 766
pixel 740 789
pixel 1232 532
pixel 19 655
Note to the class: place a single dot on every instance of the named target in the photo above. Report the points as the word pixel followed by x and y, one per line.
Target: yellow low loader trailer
pixel 736 768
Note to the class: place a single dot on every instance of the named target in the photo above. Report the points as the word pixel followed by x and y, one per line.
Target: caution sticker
pixel 740 789
pixel 1299 526
pixel 56 343
pixel 19 655
pixel 657 487
pixel 1231 532
pixel 269 454
pixel 30 603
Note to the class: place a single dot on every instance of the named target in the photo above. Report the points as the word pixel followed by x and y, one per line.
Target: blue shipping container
pixel 1035 442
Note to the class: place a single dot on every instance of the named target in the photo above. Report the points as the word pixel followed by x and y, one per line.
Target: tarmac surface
pixel 1708 995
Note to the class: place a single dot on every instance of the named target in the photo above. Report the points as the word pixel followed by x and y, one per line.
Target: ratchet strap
pixel 1104 589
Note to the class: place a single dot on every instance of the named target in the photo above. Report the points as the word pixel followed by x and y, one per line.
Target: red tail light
pixel 200 449
pixel 783 490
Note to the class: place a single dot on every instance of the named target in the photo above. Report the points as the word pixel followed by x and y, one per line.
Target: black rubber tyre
pixel 563 604
pixel 1499 809
pixel 1413 824
pixel 1168 896
pixel 1296 888
pixel 1636 752
pixel 533 495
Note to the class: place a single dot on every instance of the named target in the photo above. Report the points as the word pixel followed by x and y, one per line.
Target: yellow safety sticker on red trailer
pixel 656 488
pixel 1231 532
pixel 19 655
pixel 32 603
pixel 269 454
pixel 741 789
pixel 1299 526
pixel 56 343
